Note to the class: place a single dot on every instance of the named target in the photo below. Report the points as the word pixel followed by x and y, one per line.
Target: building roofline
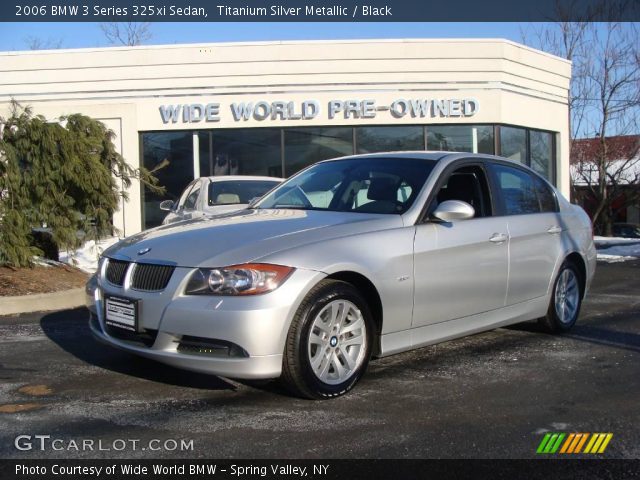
pixel 283 42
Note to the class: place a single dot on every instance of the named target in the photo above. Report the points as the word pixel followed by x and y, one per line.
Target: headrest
pixel 383 188
pixel 225 198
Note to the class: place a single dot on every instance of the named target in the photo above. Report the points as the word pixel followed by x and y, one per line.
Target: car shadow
pixel 69 329
pixel 595 334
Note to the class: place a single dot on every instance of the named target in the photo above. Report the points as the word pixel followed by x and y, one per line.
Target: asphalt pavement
pixel 491 395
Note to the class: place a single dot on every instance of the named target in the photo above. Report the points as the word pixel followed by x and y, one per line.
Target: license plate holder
pixel 121 313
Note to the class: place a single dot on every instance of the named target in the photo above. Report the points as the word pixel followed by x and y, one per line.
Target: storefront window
pixel 258 151
pixel 205 157
pixel 513 143
pixel 541 152
pixel 305 146
pixel 169 156
pixel 389 139
pixel 247 151
pixel 461 138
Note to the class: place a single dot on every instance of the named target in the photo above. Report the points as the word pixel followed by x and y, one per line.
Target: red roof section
pixel 618 148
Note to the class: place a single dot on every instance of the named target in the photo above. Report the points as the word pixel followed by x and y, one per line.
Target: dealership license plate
pixel 121 313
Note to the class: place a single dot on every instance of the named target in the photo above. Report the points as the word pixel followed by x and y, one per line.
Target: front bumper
pixel 257 324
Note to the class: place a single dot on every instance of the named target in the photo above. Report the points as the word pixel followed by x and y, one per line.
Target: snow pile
pixel 617 249
pixel 86 257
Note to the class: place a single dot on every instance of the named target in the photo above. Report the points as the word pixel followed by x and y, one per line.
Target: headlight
pixel 246 279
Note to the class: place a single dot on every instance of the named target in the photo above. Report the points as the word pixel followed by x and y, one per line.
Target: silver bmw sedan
pixel 352 258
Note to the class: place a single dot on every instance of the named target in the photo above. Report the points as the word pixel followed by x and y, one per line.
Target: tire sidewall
pixel 322 298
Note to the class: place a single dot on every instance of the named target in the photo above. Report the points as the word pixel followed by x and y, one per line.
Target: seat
pixel 383 193
pixel 227 198
pixel 464 187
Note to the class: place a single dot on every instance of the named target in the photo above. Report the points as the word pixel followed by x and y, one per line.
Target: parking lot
pixel 486 396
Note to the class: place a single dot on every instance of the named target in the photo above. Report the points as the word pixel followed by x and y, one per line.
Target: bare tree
pixel 127 33
pixel 37 43
pixel 604 103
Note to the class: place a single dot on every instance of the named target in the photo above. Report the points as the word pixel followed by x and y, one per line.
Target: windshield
pixel 234 192
pixel 367 185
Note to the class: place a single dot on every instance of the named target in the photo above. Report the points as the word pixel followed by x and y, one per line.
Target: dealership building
pixel 272 108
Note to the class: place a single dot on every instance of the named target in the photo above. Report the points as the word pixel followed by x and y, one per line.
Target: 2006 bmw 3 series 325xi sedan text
pixel 352 258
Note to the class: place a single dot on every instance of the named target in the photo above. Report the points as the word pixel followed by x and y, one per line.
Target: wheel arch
pixel 371 294
pixel 580 264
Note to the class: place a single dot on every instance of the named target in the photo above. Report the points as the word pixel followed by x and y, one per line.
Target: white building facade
pixel 272 108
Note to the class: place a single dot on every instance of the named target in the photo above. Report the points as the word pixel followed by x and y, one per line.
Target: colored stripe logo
pixel 574 442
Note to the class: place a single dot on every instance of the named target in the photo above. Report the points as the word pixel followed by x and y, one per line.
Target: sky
pixel 15 36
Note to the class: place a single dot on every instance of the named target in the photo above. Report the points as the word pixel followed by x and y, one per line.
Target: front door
pixel 460 267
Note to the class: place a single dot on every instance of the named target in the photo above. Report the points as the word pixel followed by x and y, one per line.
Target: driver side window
pixel 192 199
pixel 468 184
pixel 185 194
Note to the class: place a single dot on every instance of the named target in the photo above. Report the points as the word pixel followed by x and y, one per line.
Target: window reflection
pixel 461 138
pixel 305 146
pixel 541 152
pixel 169 156
pixel 389 139
pixel 247 151
pixel 513 143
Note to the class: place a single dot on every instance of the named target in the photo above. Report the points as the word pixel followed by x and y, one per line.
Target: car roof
pixel 221 178
pixel 433 156
pixel 419 155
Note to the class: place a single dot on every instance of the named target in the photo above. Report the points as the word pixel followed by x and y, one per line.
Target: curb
pixel 42 302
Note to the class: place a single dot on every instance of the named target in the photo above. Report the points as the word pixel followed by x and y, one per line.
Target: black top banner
pixel 318 10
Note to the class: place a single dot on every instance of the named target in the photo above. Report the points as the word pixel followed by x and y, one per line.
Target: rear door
pixel 533 220
pixel 460 267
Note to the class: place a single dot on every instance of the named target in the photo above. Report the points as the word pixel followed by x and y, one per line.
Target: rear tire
pixel 329 342
pixel 566 300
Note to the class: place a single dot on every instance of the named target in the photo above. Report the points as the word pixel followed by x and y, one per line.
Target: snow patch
pixel 86 257
pixel 617 249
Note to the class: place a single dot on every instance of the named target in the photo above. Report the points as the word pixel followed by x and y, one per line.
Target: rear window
pixel 235 192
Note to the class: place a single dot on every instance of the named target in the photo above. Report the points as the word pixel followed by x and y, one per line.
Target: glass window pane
pixel 227 192
pixel 191 201
pixel 305 146
pixel 379 185
pixel 545 196
pixel 206 161
pixel 513 143
pixel 389 139
pixel 517 189
pixel 169 156
pixel 541 153
pixel 461 138
pixel 247 151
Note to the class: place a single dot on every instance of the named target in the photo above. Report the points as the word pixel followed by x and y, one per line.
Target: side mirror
pixel 166 205
pixel 451 210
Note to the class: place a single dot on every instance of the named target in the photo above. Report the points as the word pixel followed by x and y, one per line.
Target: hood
pixel 243 236
pixel 220 209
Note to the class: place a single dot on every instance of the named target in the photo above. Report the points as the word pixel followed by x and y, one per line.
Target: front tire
pixel 329 342
pixel 566 300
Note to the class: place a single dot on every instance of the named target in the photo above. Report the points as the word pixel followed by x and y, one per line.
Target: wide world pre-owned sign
pixel 310 109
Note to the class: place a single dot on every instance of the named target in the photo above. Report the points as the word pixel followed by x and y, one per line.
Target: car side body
pixel 418 279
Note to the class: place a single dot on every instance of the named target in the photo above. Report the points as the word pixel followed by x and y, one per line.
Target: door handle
pixel 498 238
pixel 555 229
